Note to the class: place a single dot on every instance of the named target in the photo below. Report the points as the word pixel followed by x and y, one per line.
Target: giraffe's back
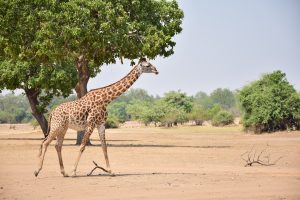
pixel 70 114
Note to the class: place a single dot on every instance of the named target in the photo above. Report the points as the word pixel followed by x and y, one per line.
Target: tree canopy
pixel 223 97
pixel 270 103
pixel 41 41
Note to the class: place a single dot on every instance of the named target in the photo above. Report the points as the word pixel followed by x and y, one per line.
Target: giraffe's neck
pixel 116 89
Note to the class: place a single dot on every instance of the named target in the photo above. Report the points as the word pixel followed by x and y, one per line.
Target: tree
pixel 222 118
pixel 25 63
pixel 135 95
pixel 155 112
pixel 270 103
pixel 14 109
pixel 223 97
pixel 173 116
pixel 40 42
pixel 198 114
pixel 118 109
pixel 179 100
pixel 202 99
pixel 137 109
pixel 213 111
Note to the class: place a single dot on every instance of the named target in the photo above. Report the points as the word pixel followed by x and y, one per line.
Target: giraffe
pixel 87 113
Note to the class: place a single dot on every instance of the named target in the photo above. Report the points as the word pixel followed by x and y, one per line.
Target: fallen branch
pixel 262 158
pixel 97 167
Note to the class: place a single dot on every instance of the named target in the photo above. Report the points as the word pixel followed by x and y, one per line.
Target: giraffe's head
pixel 147 67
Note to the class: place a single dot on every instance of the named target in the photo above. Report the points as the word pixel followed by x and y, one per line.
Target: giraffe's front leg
pixel 101 131
pixel 85 139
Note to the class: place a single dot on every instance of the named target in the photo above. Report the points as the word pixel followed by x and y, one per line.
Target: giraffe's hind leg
pixel 58 147
pixel 44 147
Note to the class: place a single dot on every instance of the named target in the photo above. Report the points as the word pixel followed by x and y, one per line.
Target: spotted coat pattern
pixel 87 113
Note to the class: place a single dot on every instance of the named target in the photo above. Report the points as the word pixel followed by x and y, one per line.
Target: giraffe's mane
pixel 116 81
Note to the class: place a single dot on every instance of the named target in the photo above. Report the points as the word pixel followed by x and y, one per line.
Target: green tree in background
pixel 137 109
pixel 224 97
pixel 118 109
pixel 41 42
pixel 179 100
pixel 198 115
pixel 213 111
pixel 222 118
pixel 270 103
pixel 201 98
pixel 14 109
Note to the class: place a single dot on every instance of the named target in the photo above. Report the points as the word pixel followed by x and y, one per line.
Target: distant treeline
pixel 265 105
pixel 172 108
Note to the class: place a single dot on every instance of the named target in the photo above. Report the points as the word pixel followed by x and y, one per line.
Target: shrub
pixel 222 118
pixel 198 115
pixel 112 122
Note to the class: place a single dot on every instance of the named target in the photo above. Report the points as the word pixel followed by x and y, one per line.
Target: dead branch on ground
pixel 262 157
pixel 97 167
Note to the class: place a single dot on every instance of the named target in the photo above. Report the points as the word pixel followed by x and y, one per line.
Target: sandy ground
pixel 153 163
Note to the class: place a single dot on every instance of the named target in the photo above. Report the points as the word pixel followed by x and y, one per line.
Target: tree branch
pixel 263 158
pixel 97 167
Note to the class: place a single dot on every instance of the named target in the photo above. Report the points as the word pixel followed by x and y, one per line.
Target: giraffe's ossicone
pixel 86 114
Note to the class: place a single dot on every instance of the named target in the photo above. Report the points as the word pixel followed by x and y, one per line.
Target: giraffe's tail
pixel 41 147
pixel 49 125
pixel 48 131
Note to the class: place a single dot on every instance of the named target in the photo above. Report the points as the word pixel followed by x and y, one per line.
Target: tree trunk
pixel 81 87
pixel 32 95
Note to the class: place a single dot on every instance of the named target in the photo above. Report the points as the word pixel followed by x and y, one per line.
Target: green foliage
pixel 202 99
pixel 127 101
pixel 118 109
pixel 222 118
pixel 179 100
pixel 213 111
pixel 198 114
pixel 14 109
pixel 112 122
pixel 174 116
pixel 155 112
pixel 137 109
pixel 224 97
pixel 135 95
pixel 270 103
pixel 26 62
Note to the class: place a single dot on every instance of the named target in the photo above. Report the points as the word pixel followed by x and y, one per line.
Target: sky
pixel 224 44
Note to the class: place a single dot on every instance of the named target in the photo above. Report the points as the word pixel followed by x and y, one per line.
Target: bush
pixel 270 104
pixel 213 111
pixel 198 115
pixel 222 118
pixel 112 122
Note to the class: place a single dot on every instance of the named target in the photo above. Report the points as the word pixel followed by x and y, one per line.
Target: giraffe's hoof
pixel 36 173
pixel 65 174
pixel 74 174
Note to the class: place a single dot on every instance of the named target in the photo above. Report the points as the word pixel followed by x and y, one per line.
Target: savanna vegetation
pixel 266 105
pixel 174 107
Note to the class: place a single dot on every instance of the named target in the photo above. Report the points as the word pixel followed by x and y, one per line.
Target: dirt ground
pixel 152 163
